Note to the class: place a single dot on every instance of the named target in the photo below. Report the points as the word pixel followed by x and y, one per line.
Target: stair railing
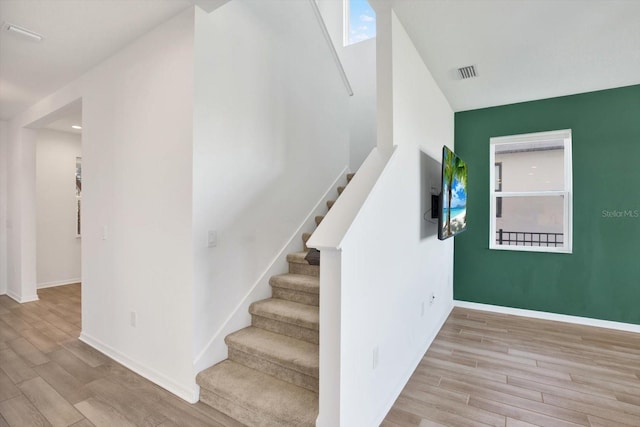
pixel 332 48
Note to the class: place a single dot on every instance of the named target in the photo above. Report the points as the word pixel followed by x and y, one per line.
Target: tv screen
pixel 452 216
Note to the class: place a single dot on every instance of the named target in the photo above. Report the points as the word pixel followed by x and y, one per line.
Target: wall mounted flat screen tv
pixel 452 203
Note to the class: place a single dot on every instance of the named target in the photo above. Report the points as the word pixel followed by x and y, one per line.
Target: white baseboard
pixel 216 350
pixel 188 393
pixel 59 283
pixel 627 327
pixel 22 299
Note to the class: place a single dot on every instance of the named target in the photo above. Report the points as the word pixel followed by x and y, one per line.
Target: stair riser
pixel 309 270
pixel 296 296
pixel 268 367
pixel 293 331
pixel 237 412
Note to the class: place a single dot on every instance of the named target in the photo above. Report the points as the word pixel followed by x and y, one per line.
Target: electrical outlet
pixel 375 357
pixel 133 318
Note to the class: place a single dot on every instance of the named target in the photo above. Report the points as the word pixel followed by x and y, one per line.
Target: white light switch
pixel 212 239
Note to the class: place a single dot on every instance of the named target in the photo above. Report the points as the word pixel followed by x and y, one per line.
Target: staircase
pixel 271 375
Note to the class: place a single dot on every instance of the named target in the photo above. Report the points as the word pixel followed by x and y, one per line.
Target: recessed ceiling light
pixel 23 32
pixel 76 127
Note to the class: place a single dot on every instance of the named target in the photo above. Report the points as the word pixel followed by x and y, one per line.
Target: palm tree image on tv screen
pixel 453 197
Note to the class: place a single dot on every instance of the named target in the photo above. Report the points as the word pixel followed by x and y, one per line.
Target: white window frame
pixel 346 27
pixel 566 193
pixel 346 15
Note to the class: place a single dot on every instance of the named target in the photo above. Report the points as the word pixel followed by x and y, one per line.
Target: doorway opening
pixel 58 197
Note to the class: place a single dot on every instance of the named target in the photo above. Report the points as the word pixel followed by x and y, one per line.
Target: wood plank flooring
pixel 50 378
pixel 499 370
pixel 482 369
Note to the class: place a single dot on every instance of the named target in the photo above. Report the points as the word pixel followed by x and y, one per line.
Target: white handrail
pixel 332 48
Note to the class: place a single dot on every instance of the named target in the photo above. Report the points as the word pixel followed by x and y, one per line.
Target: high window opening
pixel 530 187
pixel 359 21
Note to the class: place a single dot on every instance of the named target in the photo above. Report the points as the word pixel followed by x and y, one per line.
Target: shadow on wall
pixel 430 176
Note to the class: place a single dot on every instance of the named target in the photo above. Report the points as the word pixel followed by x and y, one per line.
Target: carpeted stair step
pixel 341 189
pixel 283 357
pixel 350 176
pixel 300 288
pixel 255 398
pixel 288 318
pixel 299 265
pixel 319 219
pixel 330 203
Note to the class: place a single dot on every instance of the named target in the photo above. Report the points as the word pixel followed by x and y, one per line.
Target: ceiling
pixel 69 116
pixel 78 34
pixel 523 49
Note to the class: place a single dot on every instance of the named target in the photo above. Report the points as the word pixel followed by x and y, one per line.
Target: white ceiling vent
pixel 467 72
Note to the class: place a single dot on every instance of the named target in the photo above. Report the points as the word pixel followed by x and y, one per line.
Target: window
pixel 359 21
pixel 530 190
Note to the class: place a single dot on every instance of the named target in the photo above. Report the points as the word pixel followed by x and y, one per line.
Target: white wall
pixel 58 247
pixel 21 214
pixel 359 62
pixel 270 137
pixel 385 269
pixel 3 207
pixel 137 164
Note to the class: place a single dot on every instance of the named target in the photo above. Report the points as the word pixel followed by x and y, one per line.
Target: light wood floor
pixel 482 369
pixel 49 377
pixel 498 370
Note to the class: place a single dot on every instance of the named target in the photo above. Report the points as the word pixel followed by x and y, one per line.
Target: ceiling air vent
pixel 467 72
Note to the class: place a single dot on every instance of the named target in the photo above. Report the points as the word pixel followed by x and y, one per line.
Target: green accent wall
pixel 601 278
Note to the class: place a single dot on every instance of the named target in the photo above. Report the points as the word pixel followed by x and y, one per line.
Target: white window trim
pixel 346 25
pixel 345 21
pixel 564 135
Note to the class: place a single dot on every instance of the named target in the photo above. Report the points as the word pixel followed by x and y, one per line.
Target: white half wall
pixel 395 281
pixel 3 207
pixel 270 136
pixel 58 247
